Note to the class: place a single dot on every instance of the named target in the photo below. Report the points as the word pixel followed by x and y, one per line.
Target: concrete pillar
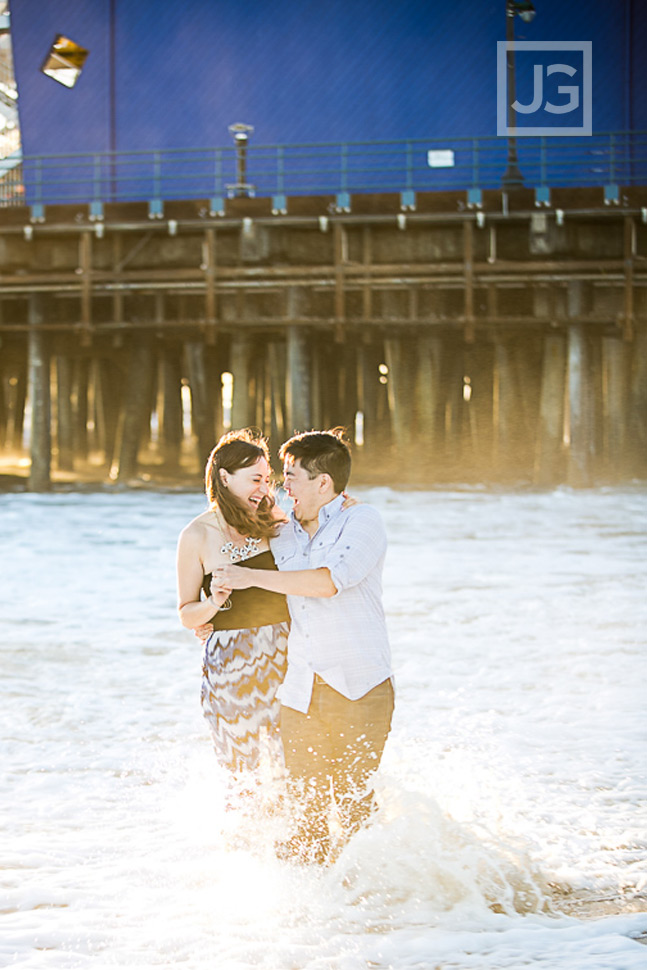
pixel 348 400
pixel 201 413
pixel 39 397
pixel 81 378
pixel 579 418
pixel 136 407
pixel 367 396
pixel 615 385
pixel 4 408
pixel 109 383
pixel 505 406
pixel 316 382
pixel 239 366
pixel 399 392
pixel 637 447
pixel 18 407
pixel 276 364
pixel 298 387
pixel 549 445
pixel 427 387
pixel 578 471
pixel 170 381
pixel 453 403
pixel 64 419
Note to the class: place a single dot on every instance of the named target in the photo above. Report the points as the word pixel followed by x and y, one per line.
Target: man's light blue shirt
pixel 342 638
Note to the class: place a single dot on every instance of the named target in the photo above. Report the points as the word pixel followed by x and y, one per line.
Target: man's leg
pixel 360 737
pixel 338 740
pixel 305 748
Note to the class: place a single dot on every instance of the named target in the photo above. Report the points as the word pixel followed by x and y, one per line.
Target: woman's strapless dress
pixel 244 664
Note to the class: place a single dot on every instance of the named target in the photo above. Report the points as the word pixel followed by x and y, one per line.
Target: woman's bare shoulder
pixel 197 529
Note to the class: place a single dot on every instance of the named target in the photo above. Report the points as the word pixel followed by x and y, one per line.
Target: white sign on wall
pixel 440 158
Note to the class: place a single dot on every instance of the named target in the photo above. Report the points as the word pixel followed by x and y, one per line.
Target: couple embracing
pixel 297 655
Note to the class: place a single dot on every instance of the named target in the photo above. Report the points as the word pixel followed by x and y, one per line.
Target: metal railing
pixel 338 169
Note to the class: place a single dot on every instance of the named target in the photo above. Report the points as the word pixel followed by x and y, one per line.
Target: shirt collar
pixel 326 512
pixel 330 510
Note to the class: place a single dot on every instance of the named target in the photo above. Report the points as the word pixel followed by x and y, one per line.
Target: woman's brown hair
pixel 239 449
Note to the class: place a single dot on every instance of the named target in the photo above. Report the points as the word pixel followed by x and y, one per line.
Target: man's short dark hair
pixel 321 452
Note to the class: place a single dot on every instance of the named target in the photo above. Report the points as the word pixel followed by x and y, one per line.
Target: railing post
pixel 629 153
pixel 542 192
pixel 611 189
pixel 475 195
pixel 38 208
pixel 408 196
pixel 343 196
pixel 217 202
pixel 96 178
pixel 409 167
pixel 280 168
pixel 96 205
pixel 155 205
pixel 279 201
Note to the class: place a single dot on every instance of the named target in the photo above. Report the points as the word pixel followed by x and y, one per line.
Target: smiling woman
pixel 245 650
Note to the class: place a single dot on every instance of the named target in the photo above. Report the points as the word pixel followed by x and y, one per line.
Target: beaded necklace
pixel 240 553
pixel 233 552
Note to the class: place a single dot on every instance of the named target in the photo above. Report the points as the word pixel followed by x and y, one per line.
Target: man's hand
pixel 231 577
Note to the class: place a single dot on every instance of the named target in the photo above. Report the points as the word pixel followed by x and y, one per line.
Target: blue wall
pixel 163 74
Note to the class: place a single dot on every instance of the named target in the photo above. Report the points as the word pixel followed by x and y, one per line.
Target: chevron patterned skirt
pixel 241 674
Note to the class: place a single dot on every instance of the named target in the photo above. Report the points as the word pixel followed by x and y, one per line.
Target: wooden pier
pixel 506 343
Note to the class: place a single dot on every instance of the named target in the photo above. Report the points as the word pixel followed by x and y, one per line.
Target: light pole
pixel 241 134
pixel 513 178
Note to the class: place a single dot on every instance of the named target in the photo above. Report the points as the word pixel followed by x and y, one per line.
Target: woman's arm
pixel 193 610
pixel 300 582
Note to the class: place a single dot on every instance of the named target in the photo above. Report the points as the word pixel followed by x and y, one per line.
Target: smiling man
pixel 337 696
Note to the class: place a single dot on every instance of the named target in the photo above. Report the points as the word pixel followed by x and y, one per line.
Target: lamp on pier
pixel 512 177
pixel 241 133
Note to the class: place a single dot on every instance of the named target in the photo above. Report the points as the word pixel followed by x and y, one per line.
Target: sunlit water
pixel 515 767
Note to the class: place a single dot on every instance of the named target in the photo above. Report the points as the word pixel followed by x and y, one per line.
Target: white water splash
pixel 516 758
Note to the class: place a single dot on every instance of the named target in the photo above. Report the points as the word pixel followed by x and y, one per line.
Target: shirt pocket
pixel 326 549
pixel 287 559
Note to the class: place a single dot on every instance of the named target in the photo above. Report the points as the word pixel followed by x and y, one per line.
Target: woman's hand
pixel 203 632
pixel 349 501
pixel 232 577
pixel 219 590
